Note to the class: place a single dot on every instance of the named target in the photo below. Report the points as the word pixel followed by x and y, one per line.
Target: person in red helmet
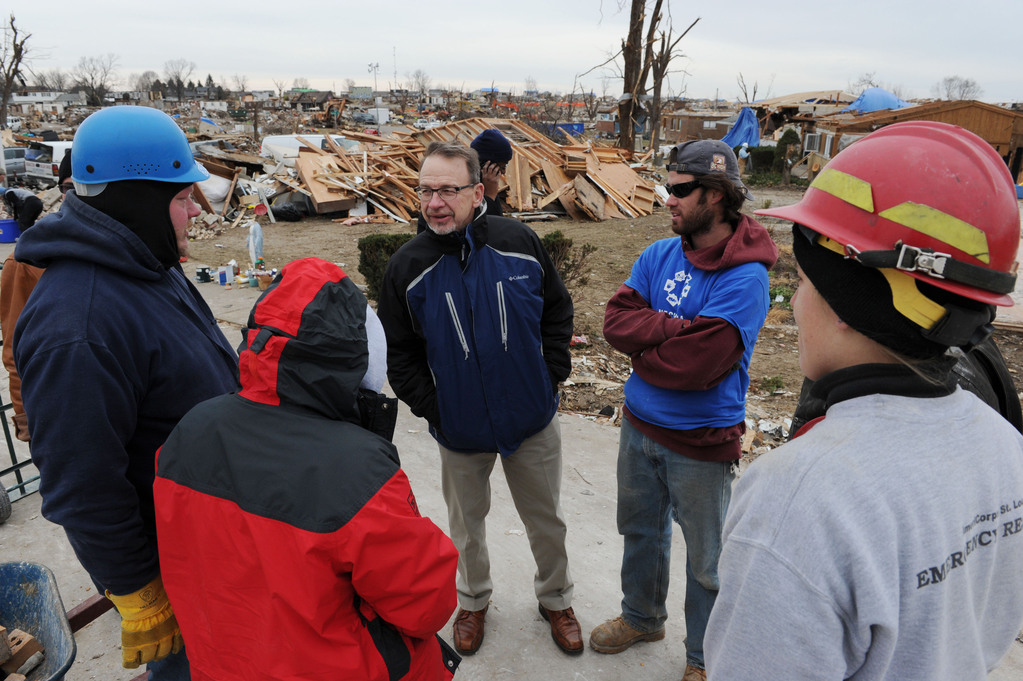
pixel 885 540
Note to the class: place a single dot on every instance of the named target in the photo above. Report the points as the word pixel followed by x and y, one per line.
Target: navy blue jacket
pixel 112 350
pixel 478 327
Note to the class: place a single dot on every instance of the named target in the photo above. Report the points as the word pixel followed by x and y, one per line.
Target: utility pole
pixel 374 67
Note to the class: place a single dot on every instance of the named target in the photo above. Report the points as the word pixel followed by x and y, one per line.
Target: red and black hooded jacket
pixel 291 545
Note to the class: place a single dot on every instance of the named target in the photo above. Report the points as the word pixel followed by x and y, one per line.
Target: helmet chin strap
pixel 948 324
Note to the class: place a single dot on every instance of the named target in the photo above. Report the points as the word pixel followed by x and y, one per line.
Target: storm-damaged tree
pixel 54 80
pixel 176 71
pixel 12 56
pixel 660 59
pixel 95 75
pixel 639 61
pixel 957 87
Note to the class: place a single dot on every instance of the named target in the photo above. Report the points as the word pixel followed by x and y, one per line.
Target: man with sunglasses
pixel 688 316
pixel 478 324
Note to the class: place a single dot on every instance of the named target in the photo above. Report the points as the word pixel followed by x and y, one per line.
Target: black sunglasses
pixel 682 189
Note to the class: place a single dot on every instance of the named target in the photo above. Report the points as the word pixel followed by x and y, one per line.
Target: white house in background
pixel 55 103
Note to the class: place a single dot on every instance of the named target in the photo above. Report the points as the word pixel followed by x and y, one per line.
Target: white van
pixel 284 148
pixel 42 162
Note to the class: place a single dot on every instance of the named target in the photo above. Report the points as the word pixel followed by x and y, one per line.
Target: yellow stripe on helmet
pixel 942 226
pixel 846 187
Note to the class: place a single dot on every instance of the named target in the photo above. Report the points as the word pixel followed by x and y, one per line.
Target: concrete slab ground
pixel 518 643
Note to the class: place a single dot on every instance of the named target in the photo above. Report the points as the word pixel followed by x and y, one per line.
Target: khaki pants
pixel 533 473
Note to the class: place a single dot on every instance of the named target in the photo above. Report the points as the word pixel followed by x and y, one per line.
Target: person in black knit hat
pixel 495 151
pixel 884 541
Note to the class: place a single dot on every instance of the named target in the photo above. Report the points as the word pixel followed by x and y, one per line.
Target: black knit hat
pixel 64 171
pixel 491 145
pixel 861 297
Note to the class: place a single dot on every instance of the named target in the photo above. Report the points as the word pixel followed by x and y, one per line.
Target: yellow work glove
pixel 149 630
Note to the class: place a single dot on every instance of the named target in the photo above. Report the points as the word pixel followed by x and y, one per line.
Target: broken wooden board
pixel 308 164
pixel 556 177
pixel 588 198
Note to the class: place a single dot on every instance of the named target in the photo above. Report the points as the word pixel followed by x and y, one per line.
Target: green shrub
pixel 786 293
pixel 790 137
pixel 760 159
pixel 569 261
pixel 374 252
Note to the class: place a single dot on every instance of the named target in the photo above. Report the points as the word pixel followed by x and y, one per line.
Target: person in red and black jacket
pixel 291 545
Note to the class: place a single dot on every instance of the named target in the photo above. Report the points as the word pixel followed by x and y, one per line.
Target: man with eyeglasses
pixel 688 316
pixel 478 324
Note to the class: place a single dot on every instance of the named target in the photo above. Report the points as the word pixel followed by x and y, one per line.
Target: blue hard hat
pixel 131 143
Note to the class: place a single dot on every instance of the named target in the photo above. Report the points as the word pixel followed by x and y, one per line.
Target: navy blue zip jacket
pixel 113 349
pixel 478 327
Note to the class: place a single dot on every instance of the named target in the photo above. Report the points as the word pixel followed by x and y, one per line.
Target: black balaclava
pixel 143 206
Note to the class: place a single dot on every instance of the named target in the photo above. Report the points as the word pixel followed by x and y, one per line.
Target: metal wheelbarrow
pixel 29 601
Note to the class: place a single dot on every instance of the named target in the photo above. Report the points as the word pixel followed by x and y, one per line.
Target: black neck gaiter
pixel 143 206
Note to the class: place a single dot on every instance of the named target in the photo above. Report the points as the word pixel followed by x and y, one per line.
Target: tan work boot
pixel 694 674
pixel 616 635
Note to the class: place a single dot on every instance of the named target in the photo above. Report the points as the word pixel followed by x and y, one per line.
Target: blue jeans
pixel 656 485
pixel 174 667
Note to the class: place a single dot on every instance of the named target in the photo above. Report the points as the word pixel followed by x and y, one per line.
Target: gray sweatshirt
pixel 885 543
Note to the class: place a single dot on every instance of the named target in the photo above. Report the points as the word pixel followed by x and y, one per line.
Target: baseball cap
pixel 703 157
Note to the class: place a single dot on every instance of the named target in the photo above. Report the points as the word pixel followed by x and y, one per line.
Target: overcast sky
pixel 909 45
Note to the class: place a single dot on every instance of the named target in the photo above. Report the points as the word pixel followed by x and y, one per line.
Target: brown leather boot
pixel 467 630
pixel 565 629
pixel 694 674
pixel 616 635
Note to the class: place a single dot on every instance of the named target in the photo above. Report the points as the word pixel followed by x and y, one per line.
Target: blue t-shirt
pixel 738 295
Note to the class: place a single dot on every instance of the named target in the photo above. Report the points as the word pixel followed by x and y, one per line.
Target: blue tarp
pixel 204 120
pixel 746 129
pixel 875 99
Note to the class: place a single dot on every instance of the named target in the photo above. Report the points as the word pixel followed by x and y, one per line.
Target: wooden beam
pixel 230 192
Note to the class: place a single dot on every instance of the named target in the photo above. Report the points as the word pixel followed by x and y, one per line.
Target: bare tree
pixel 957 87
pixel 177 71
pixel 143 82
pixel 864 82
pixel 301 84
pixel 745 93
pixel 12 56
pixel 529 85
pixel 638 61
pixel 349 85
pixel 54 80
pixel 591 104
pixel 280 84
pixel 96 75
pixel 241 82
pixel 660 61
pixel 420 83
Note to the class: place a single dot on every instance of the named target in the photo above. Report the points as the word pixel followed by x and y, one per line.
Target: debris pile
pixel 363 174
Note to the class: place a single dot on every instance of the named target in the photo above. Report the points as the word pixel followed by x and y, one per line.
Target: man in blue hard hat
pixel 114 347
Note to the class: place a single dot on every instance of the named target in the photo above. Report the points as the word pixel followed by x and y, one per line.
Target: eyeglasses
pixel 446 193
pixel 682 189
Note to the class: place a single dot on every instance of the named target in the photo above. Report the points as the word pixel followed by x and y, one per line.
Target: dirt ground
pixel 599 371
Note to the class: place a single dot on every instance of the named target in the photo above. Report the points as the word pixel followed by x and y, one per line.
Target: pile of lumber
pixel 582 180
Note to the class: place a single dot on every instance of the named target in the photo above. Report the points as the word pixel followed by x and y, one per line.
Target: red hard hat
pixel 930 199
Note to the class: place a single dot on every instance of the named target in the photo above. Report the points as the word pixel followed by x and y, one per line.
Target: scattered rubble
pixel 374 176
